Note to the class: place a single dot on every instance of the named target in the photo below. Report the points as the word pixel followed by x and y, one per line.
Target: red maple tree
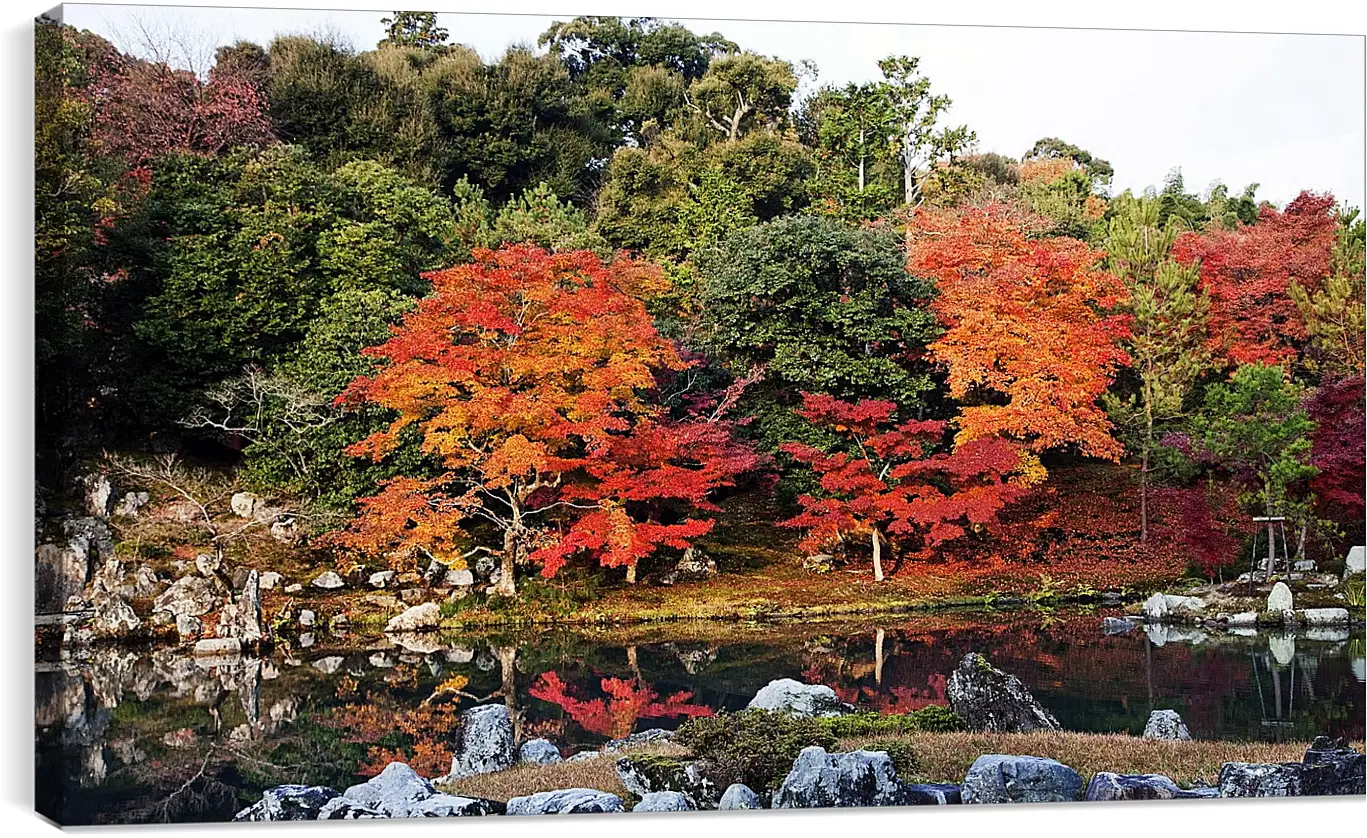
pixel 894 489
pixel 1028 344
pixel 626 701
pixel 1247 272
pixel 1337 450
pixel 145 109
pixel 528 376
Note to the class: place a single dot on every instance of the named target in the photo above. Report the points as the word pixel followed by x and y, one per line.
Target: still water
pixel 136 736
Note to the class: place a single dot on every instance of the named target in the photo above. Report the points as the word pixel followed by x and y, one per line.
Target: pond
pixel 135 736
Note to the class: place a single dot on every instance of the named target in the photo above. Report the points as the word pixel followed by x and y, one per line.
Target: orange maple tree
pixel 1248 273
pixel 528 376
pixel 1029 342
pixel 894 488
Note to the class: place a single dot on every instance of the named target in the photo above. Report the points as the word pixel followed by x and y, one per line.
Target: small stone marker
pixel 1280 599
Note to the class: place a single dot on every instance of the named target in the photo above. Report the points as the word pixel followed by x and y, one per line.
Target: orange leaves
pixel 1028 343
pixel 528 374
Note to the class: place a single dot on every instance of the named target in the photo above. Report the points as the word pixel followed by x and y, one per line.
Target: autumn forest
pixel 558 310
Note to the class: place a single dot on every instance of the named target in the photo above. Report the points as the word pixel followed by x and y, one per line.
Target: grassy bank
pixel 942 757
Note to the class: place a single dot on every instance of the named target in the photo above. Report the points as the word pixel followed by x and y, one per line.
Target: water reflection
pixel 127 736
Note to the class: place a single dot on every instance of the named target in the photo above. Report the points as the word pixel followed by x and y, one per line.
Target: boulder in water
pixel 425 617
pixel 1280 600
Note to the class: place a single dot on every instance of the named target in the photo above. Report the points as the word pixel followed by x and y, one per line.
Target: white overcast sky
pixel 1285 111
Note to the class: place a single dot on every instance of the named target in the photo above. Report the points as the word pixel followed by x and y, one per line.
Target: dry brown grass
pixel 945 757
pixel 600 773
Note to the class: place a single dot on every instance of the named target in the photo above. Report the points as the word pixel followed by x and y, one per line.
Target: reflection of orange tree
pixel 615 716
pixel 419 736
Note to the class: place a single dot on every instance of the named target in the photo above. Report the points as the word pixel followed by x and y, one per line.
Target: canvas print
pixel 450 415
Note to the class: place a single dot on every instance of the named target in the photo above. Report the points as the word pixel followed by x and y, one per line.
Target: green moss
pixel 933 719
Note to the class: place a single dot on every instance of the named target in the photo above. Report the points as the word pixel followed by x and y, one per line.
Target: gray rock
pixel 646 774
pixel 933 794
pixel 484 741
pixel 328 581
pixel 343 808
pixel 1115 625
pixel 1155 608
pixel 664 801
pixel 1000 778
pixel 284 532
pixel 98 493
pixel 293 588
pixel 307 617
pixel 454 806
pixel 1355 562
pixel 1166 724
pixel 988 699
pixel 193 596
pixel 857 778
pixel 188 627
pixel 215 646
pixel 1161 608
pixel 288 803
pixel 539 752
pixel 246 504
pixel 1279 600
pixel 1331 767
pixel 393 791
pixel 145 581
pixel 1305 566
pixel 1324 616
pixel 788 696
pixel 654 734
pixel 425 617
pixel 113 616
pixel 695 566
pixel 130 504
pixel 1245 779
pixel 383 579
pixel 1244 619
pixel 739 796
pixel 462 578
pixel 1108 786
pixel 242 619
pixel 60 572
pixel 566 802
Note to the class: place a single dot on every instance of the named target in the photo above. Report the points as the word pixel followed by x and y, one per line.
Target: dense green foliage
pixel 219 290
pixel 754 747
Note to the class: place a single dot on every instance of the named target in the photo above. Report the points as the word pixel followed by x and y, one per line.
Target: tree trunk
pixel 631 574
pixel 1144 469
pixel 507 664
pixel 507 586
pixel 861 161
pixel 877 540
pixel 1271 547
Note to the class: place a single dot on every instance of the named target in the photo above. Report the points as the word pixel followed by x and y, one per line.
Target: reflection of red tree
pixel 615 716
